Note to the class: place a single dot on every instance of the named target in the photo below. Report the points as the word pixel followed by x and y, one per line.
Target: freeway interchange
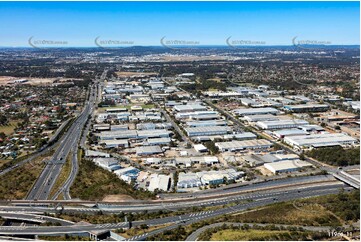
pixel 232 198
pixel 246 201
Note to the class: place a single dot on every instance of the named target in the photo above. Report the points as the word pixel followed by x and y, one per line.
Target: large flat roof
pixel 250 111
pixel 318 139
pixel 286 165
pixel 207 129
pixel 243 144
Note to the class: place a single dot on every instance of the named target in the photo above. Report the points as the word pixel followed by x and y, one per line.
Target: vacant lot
pixel 289 213
pixel 95 183
pixel 133 73
pixel 252 234
pixel 8 129
pixel 17 183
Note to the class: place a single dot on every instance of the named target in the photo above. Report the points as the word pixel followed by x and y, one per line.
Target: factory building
pixel 280 134
pixel 188 180
pixel 281 124
pixel 286 166
pixel 204 178
pixel 197 115
pixel 116 143
pixel 159 182
pixel 152 126
pixel 122 134
pixel 265 117
pixel 94 154
pixel 200 148
pixel 158 141
pixel 255 111
pixel 158 133
pixel 206 131
pixel 148 150
pixel 101 127
pixel 133 134
pixel 234 146
pixel 189 108
pixel 110 164
pixel 219 177
pixel 212 179
pixel 119 127
pixel 259 159
pixel 206 123
pixel 305 108
pixel 240 136
pixel 128 174
pixel 320 140
pixel 311 128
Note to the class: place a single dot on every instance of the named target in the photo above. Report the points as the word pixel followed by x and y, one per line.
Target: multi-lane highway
pixel 234 196
pixel 49 175
pixel 258 202
pixel 185 219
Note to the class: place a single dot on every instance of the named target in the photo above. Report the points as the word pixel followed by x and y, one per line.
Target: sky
pixel 202 23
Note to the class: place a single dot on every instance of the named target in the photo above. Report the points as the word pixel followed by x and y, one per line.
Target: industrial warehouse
pixel 320 140
pixel 234 146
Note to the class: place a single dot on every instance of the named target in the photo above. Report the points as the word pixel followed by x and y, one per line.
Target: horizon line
pixel 179 46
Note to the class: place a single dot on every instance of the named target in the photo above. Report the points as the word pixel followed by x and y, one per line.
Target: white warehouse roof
pixel 318 140
pixel 280 124
pixel 286 166
pixel 245 144
pixel 254 111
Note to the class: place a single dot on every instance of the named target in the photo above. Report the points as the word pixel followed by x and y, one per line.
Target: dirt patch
pixel 264 171
pixel 9 80
pixel 117 198
pixel 134 74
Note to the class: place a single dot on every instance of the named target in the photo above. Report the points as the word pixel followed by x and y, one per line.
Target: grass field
pixel 290 213
pixel 64 238
pixel 94 183
pixel 242 235
pixel 9 129
pixel 17 183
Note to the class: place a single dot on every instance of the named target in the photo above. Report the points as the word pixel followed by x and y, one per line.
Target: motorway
pixel 34 218
pixel 218 199
pixel 65 189
pixel 49 175
pixel 258 202
pixel 185 219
